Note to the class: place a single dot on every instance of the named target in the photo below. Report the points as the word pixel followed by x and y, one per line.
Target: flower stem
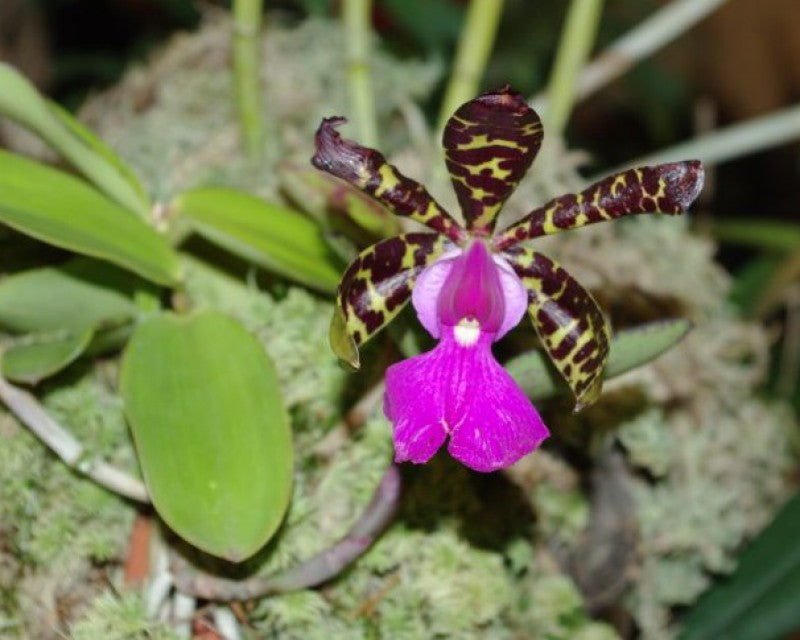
pixel 731 142
pixel 357 29
pixel 33 415
pixel 662 27
pixel 577 39
pixel 247 18
pixel 316 570
pixel 474 47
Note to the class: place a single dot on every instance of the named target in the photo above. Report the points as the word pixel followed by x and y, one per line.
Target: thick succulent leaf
pixel 211 430
pixel 665 188
pixel 62 210
pixel 74 295
pixel 489 144
pixel 39 357
pixel 368 170
pixel 376 287
pixel 20 101
pixel 270 235
pixel 569 323
pixel 629 349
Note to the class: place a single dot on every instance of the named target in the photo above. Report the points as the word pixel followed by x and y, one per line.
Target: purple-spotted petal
pixel 489 144
pixel 460 391
pixel 369 171
pixel 430 282
pixel 376 286
pixel 664 188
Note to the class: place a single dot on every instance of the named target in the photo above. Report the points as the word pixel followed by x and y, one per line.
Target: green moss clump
pixel 123 617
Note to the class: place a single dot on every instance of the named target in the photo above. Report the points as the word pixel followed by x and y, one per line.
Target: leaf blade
pixel 56 208
pixel 20 102
pixel 77 294
pixel 628 350
pixel 211 430
pixel 270 235
pixel 43 356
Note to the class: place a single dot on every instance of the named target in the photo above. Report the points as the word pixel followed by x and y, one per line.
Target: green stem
pixel 731 142
pixel 671 21
pixel 357 33
pixel 577 39
pixel 474 47
pixel 247 17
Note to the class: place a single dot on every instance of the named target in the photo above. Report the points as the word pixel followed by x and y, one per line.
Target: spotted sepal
pixel 376 286
pixel 665 188
pixel 571 326
pixel 489 144
pixel 369 171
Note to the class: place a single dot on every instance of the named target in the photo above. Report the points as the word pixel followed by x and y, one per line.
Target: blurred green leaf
pixel 629 349
pixel 268 234
pixel 325 197
pixel 435 23
pixel 750 281
pixel 760 600
pixel 78 294
pixel 20 102
pixel 776 289
pixel 61 210
pixel 211 430
pixel 41 356
pixel 764 234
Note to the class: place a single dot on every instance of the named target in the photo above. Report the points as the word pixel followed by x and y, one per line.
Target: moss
pixel 60 530
pixel 119 617
pixel 174 122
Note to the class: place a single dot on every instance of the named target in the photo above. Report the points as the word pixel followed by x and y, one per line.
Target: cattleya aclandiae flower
pixel 470 286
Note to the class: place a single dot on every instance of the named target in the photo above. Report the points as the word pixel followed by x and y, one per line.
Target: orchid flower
pixel 470 286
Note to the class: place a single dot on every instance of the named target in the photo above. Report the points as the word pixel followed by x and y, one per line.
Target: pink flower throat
pixel 472 293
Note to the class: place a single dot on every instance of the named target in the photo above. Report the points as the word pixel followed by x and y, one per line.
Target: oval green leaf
pixel 760 600
pixel 20 102
pixel 629 349
pixel 270 235
pixel 39 357
pixel 211 430
pixel 64 211
pixel 75 295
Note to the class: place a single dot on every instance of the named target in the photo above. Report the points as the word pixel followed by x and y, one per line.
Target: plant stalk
pixel 61 442
pixel 357 14
pixel 666 24
pixel 577 39
pixel 731 142
pixel 247 22
pixel 318 569
pixel 474 47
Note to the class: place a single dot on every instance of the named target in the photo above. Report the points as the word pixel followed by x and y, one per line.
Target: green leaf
pixel 61 210
pixel 629 349
pixel 270 235
pixel 765 234
pixel 751 280
pixel 760 600
pixel 78 294
pixel 211 430
pixel 39 357
pixel 20 102
pixel 326 198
